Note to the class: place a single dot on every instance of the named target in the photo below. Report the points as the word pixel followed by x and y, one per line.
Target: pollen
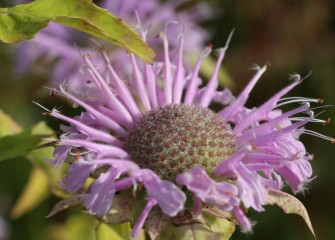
pixel 175 138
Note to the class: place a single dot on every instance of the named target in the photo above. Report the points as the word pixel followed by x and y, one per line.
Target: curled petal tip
pixel 294 77
pixel 327 122
pixel 320 101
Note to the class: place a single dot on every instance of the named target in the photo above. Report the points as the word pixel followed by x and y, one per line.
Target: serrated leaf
pixel 35 191
pixel 8 126
pixel 290 204
pixel 23 21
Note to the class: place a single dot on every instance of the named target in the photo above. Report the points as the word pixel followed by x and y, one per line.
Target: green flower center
pixel 175 138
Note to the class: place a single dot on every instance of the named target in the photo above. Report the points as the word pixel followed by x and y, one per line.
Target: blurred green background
pixel 294 36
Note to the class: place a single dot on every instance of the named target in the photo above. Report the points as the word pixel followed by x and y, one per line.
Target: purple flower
pixel 56 42
pixel 155 127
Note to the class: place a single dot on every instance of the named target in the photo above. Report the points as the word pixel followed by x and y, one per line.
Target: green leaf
pixel 35 191
pixel 76 226
pixel 43 177
pixel 76 201
pixel 115 232
pixel 42 128
pixel 18 145
pixel 22 22
pixel 290 204
pixel 38 156
pixel 116 224
pixel 205 226
pixel 121 211
pixel 222 226
pixel 21 144
pixel 8 126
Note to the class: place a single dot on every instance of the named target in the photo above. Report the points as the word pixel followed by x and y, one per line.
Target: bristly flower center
pixel 174 138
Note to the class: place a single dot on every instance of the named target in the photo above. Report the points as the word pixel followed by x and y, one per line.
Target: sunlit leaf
pixel 7 125
pixel 41 154
pixel 77 226
pixel 18 145
pixel 290 204
pixel 38 156
pixel 115 232
pixel 43 176
pixel 222 226
pixel 42 128
pixel 21 144
pixel 35 191
pixel 189 232
pixel 23 21
pixel 205 226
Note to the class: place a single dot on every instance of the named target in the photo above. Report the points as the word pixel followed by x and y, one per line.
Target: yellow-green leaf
pixel 222 226
pixel 43 177
pixel 22 22
pixel 77 226
pixel 290 204
pixel 115 232
pixel 42 128
pixel 17 145
pixel 36 190
pixel 8 126
pixel 21 144
pixel 205 226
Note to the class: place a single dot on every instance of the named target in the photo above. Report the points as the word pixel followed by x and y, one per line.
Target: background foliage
pixel 294 36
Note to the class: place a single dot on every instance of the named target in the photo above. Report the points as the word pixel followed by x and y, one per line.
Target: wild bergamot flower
pixel 156 129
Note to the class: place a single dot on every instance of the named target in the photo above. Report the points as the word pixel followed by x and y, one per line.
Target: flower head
pixel 155 128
